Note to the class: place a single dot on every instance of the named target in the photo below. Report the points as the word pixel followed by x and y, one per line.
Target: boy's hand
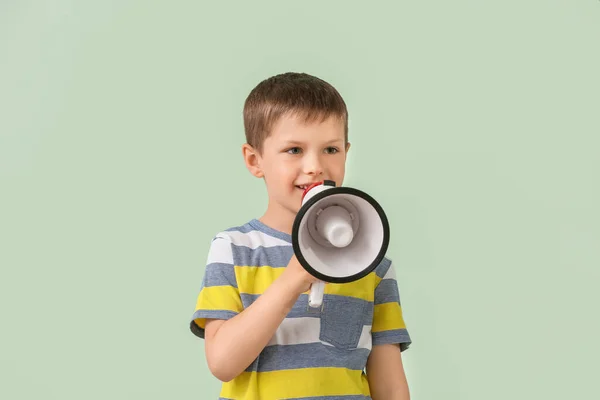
pixel 297 277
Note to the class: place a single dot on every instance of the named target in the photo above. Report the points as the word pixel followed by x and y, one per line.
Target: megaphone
pixel 339 235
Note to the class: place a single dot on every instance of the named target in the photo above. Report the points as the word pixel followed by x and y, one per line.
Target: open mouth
pixel 303 187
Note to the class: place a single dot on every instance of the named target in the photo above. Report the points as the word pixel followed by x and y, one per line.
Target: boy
pixel 261 338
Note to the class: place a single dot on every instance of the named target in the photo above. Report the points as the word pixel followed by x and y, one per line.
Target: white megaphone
pixel 340 235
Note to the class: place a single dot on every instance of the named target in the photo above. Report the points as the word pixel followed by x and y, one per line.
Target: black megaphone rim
pixel 340 190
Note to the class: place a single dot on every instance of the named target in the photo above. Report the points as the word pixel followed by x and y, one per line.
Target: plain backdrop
pixel 474 124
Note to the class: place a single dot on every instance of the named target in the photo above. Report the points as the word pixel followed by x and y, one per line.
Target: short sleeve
pixel 219 297
pixel 388 321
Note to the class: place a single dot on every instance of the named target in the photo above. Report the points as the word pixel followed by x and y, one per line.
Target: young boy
pixel 262 340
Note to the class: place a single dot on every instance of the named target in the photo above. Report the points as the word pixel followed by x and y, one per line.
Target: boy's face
pixel 297 154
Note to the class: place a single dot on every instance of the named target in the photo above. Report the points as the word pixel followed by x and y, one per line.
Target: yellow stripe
pixel 306 382
pixel 219 298
pixel 387 316
pixel 376 279
pixel 363 288
pixel 256 280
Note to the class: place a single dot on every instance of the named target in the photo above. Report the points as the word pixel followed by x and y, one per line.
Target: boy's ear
pixel 252 160
pixel 347 146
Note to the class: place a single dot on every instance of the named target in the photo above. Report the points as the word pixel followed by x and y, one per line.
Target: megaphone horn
pixel 339 235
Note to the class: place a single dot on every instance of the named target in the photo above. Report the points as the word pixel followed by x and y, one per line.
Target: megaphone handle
pixel 315 299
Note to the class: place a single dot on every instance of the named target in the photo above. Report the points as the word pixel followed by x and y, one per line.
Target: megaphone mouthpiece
pixel 319 185
pixel 334 223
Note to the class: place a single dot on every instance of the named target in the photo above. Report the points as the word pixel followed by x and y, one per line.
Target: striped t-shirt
pixel 316 353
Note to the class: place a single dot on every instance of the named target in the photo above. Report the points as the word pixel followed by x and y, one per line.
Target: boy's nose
pixel 313 166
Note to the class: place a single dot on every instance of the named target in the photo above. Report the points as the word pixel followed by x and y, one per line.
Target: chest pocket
pixel 342 321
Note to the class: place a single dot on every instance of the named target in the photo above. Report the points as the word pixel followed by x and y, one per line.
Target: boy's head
pixel 291 94
pixel 296 129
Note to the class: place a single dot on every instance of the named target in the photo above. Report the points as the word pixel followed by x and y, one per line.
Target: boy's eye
pixel 297 150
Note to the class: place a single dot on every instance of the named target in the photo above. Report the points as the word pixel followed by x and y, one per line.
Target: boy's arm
pixel 232 345
pixel 385 370
pixel 385 373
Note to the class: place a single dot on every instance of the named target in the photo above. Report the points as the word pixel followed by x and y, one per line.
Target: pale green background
pixel 475 124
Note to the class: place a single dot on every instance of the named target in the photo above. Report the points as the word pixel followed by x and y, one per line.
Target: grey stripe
pixel 301 309
pixel 196 330
pixel 383 267
pixel 310 355
pixel 216 314
pixel 259 226
pixel 276 256
pixel 342 321
pixel 242 228
pixel 400 336
pixel 256 225
pixel 387 292
pixel 219 274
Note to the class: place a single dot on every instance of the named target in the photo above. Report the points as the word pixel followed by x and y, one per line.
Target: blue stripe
pixel 259 226
pixel 310 355
pixel 276 256
pixel 215 314
pixel 383 267
pixel 400 336
pixel 256 225
pixel 246 228
pixel 387 292
pixel 301 309
pixel 196 330
pixel 219 274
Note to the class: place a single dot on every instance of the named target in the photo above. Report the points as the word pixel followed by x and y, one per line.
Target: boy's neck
pixel 278 219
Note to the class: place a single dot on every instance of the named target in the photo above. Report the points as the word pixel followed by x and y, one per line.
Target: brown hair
pixel 294 93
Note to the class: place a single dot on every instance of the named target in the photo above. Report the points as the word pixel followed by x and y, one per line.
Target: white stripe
pixel 306 330
pixel 220 251
pixel 365 340
pixel 297 331
pixel 254 239
pixel 391 273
